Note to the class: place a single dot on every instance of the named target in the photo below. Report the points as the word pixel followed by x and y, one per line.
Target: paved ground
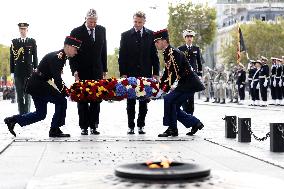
pixel 33 160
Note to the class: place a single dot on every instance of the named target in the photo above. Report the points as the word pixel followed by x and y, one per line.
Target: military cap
pixel 273 58
pixel 92 13
pixel 264 58
pixel 23 25
pixel 188 32
pixel 161 34
pixel 72 41
pixel 258 61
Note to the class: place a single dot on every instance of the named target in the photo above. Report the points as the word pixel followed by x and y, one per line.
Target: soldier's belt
pixel 262 77
pixel 278 77
pixel 255 80
pixel 249 79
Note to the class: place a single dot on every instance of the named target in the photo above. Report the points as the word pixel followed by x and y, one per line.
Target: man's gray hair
pixel 92 13
pixel 140 14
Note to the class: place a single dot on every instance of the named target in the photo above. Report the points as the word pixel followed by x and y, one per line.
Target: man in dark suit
pixel 138 58
pixel 90 64
pixel 23 60
pixel 46 85
pixel 192 54
pixel 180 83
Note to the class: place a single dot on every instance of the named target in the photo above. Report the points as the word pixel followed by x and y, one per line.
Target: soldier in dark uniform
pixel 255 84
pixel 263 81
pixel 23 60
pixel 278 81
pixel 181 82
pixel 251 71
pixel 241 82
pixel 273 81
pixel 192 54
pixel 46 85
pixel 138 57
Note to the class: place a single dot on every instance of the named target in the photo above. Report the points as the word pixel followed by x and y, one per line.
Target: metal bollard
pixel 243 130
pixel 277 137
pixel 230 126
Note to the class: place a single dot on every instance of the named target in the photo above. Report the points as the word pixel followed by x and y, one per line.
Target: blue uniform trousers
pixel 40 103
pixel 173 112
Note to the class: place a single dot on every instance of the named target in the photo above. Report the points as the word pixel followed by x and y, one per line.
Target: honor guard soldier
pixel 241 82
pixel 278 81
pixel 192 54
pixel 23 60
pixel 251 71
pixel 273 80
pixel 181 83
pixel 263 81
pixel 255 84
pixel 46 85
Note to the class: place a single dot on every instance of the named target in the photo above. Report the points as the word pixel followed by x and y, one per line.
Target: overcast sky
pixel 50 21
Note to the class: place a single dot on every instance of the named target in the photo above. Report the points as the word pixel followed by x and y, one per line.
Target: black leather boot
pixel 169 132
pixel 10 122
pixel 56 132
pixel 195 128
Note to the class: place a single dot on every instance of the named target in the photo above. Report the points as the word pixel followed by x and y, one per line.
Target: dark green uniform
pixel 23 59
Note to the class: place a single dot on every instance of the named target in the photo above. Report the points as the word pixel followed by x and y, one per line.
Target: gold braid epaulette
pixel 170 62
pixel 18 52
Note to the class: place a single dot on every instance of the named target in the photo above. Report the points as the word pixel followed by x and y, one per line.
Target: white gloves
pixel 265 83
pixel 241 86
pixel 280 83
pixel 274 83
pixel 251 85
pixel 160 93
pixel 257 86
pixel 174 85
pixel 12 76
pixel 218 86
pixel 224 85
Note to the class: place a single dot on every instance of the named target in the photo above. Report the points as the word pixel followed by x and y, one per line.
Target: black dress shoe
pixel 94 132
pixel 141 131
pixel 10 122
pixel 130 131
pixel 84 132
pixel 169 132
pixel 195 128
pixel 56 132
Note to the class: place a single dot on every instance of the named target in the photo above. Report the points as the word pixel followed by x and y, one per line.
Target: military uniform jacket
pixel 279 71
pixel 241 79
pixel 273 72
pixel 178 68
pixel 251 72
pixel 193 57
pixel 23 57
pixel 49 68
pixel 138 59
pixel 91 60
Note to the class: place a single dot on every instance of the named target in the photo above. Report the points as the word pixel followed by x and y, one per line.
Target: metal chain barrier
pixel 232 122
pixel 246 122
pixel 281 129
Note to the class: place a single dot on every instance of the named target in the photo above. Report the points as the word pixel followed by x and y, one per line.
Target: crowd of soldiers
pixel 259 79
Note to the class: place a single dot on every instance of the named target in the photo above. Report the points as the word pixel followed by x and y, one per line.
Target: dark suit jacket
pixel 138 59
pixel 50 67
pixel 91 60
pixel 23 57
pixel 193 57
pixel 188 80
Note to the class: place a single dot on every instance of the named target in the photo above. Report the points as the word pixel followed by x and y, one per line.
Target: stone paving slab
pixel 33 164
pixel 29 153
